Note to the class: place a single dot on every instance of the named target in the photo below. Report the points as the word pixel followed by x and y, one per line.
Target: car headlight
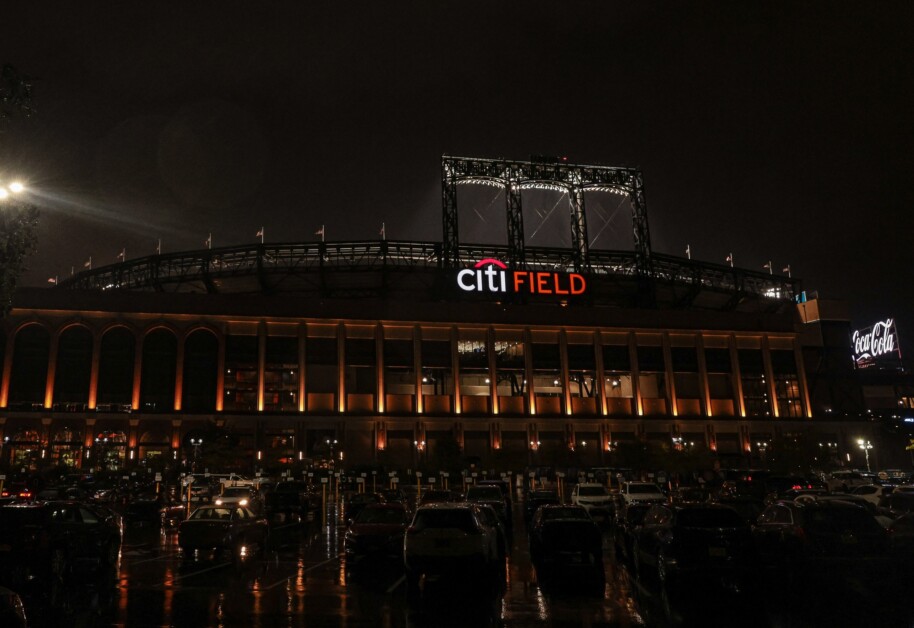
pixel 243 502
pixel 218 502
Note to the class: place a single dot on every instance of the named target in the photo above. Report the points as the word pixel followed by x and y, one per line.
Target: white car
pixel 642 492
pixel 870 492
pixel 447 539
pixel 844 481
pixel 594 498
pixel 236 496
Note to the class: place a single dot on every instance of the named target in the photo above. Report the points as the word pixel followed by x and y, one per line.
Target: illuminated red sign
pixel 492 275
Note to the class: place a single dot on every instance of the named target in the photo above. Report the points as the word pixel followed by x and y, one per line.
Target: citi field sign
pixel 491 276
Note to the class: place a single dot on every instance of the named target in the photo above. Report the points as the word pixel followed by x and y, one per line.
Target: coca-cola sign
pixel 878 341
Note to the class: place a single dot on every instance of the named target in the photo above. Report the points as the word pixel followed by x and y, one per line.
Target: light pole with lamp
pixel 196 443
pixel 865 445
pixel 331 443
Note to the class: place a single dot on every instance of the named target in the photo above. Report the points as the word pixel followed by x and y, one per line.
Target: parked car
pixel 845 480
pixel 594 498
pixel 628 520
pixel 357 501
pixel 449 539
pixel 803 540
pixel 437 495
pixel 872 493
pixel 898 502
pixel 376 533
pixel 144 509
pixel 238 496
pixel 566 544
pixel 537 498
pixel 684 550
pixel 222 527
pixel 493 496
pixel 641 492
pixel 489 517
pixel 50 544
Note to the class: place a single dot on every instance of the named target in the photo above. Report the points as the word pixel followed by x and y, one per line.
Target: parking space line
pixel 396 584
pixel 149 560
pixel 311 568
pixel 196 573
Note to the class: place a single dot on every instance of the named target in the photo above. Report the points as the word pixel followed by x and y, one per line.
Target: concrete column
pixel 703 385
pixel 220 371
pixel 455 369
pixel 7 369
pixel 493 370
pixel 636 374
pixel 93 370
pixel 341 368
pixel 600 372
pixel 566 377
pixel 137 372
pixel 739 402
pixel 261 363
pixel 381 399
pixel 302 391
pixel 801 378
pixel 52 369
pixel 671 400
pixel 417 367
pixel 179 371
pixel 528 371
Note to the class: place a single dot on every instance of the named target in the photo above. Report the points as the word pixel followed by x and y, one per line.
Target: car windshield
pixel 710 518
pixel 459 519
pixel 591 491
pixel 483 492
pixel 380 516
pixel 215 514
pixel 564 513
pixel 236 492
pixel 651 489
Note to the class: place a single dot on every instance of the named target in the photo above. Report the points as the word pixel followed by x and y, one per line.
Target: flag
pixel 786 269
pixel 208 243
pixel 688 251
pixel 383 232
pixel 320 232
pixel 159 247
pixel 122 255
pixel 730 259
pixel 88 263
pixel 52 280
pixel 767 266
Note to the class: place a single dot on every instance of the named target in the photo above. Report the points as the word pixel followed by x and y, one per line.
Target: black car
pixel 233 528
pixel 628 519
pixel 376 533
pixel 687 551
pixel 564 540
pixel 491 495
pixel 290 498
pixel 54 543
pixel 357 502
pixel 819 536
pixel 536 498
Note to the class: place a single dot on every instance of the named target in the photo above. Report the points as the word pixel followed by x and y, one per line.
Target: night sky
pixel 775 130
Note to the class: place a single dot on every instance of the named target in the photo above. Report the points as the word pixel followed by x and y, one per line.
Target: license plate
pixel 717 552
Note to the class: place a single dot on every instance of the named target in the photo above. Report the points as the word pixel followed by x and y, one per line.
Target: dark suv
pixel 56 542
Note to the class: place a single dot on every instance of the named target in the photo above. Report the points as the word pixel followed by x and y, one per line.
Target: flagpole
pixel 688 251
pixel 159 247
pixel 787 270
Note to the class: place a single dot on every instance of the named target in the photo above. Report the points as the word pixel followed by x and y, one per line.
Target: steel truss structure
pixel 575 179
pixel 373 268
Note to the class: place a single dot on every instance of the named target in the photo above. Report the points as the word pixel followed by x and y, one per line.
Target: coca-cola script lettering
pixel 874 342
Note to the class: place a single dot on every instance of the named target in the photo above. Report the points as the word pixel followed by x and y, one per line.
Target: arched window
pixel 115 369
pixel 201 362
pixel 30 366
pixel 157 390
pixel 74 365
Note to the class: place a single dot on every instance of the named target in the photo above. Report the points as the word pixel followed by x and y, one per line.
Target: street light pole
pixel 866 445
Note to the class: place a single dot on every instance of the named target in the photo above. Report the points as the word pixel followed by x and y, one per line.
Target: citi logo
pixel 492 275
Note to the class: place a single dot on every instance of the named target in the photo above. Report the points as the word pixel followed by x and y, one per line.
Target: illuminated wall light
pixel 259 455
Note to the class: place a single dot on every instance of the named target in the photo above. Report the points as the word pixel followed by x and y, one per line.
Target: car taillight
pixel 25 494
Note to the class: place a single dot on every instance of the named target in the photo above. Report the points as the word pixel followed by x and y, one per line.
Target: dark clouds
pixel 777 130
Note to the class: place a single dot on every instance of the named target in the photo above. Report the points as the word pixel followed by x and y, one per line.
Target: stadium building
pixel 394 352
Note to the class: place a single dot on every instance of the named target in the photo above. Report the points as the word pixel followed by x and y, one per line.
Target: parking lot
pixel 302 577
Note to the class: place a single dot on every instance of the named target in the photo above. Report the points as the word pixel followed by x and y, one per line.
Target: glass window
pixel 321 365
pixel 240 373
pixel 399 372
pixel 509 365
pixel 755 387
pixel 582 370
pixel 547 370
pixel 437 376
pixel 360 366
pixel 474 364
pixel 280 385
pixel 617 371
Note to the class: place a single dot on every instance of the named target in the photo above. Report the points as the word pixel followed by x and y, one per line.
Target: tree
pixel 18 221
pixel 18 239
pixel 15 93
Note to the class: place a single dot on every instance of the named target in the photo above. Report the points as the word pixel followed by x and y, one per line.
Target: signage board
pixel 491 276
pixel 876 345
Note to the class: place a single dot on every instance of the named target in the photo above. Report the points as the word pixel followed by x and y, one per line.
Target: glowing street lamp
pixel 865 445
pixel 9 189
